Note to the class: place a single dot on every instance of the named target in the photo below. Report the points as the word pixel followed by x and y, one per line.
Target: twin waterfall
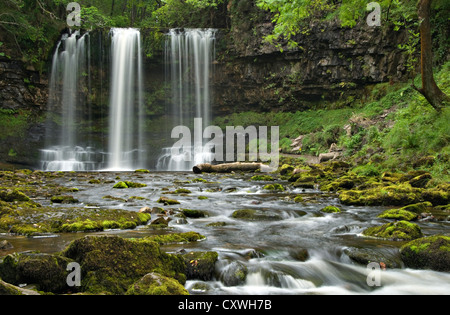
pixel 189 56
pixel 70 144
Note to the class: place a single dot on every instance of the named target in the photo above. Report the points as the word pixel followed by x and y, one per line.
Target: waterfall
pixel 189 56
pixel 126 101
pixel 66 151
pixel 69 147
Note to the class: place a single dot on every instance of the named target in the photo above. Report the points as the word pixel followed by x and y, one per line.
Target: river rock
pixel 47 272
pixel 200 265
pixel 234 274
pixel 156 284
pixel 397 231
pixel 4 245
pixel 112 264
pixel 364 256
pixel 255 215
pixel 428 253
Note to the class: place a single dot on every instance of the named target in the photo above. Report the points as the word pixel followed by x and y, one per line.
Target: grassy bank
pixel 392 128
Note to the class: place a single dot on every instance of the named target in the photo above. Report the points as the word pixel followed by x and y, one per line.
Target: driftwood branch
pixel 228 168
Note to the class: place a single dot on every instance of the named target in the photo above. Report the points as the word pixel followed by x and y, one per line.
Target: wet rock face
pixel 330 60
pixel 21 88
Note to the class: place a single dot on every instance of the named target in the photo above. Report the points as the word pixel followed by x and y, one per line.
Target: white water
pixel 126 102
pixel 70 72
pixel 189 56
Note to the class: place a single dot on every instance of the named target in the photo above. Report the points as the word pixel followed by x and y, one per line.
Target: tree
pixel 429 89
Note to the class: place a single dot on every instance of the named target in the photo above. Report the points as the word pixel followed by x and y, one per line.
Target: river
pixel 295 249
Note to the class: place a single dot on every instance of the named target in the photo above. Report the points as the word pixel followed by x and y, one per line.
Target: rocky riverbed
pixel 307 229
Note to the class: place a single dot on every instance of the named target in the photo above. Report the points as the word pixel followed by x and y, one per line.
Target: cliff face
pixel 331 63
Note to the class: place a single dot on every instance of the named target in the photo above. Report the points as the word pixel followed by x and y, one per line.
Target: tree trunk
pixel 429 87
pixel 228 168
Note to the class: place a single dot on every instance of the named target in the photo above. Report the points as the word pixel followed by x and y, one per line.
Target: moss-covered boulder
pixel 156 284
pixel 420 181
pixel 128 184
pixel 395 195
pixel 64 199
pixel 255 215
pixel 397 231
pixel 418 208
pixel 274 187
pixel 262 178
pixel 195 214
pixel 234 274
pixel 47 272
pixel 364 256
pixel 112 264
pixel 398 214
pixel 438 196
pixel 428 253
pixel 168 202
pixel 331 209
pixel 200 265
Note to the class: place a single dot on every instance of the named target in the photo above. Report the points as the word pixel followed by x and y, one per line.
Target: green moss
pixel 156 284
pixel 142 171
pixel 298 199
pixel 177 238
pixel 418 207
pixel 397 231
pixel 166 201
pixel 195 213
pixel 178 192
pixel 202 198
pixel 428 253
pixel 265 178
pixel 13 195
pixel 255 215
pixel 64 199
pixel 120 185
pixel 200 265
pixel 112 264
pixel 398 214
pixel 82 226
pixel 277 187
pixel 331 209
pixel 199 180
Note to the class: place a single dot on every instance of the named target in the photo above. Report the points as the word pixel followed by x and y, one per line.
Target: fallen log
pixel 230 167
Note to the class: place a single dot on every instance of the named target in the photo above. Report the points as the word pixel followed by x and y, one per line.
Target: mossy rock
pixel 277 187
pixel 420 181
pixel 217 224
pixel 397 231
pixel 47 272
pixel 262 178
pixel 195 214
pixel 364 256
pixel 145 171
pixel 112 264
pixel 398 214
pixel 286 169
pixel 331 209
pixel 234 274
pixel 255 215
pixel 167 202
pixel 298 199
pixel 394 195
pixel 64 199
pixel 128 184
pixel 9 195
pixel 202 198
pixel 428 253
pixel 177 238
pixel 156 284
pixel 418 208
pixel 200 265
pixel 438 196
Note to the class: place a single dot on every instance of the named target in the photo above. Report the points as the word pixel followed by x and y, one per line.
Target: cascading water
pixel 189 56
pixel 69 76
pixel 126 101
pixel 67 148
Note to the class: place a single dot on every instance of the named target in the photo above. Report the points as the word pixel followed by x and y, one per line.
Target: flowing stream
pixel 296 249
